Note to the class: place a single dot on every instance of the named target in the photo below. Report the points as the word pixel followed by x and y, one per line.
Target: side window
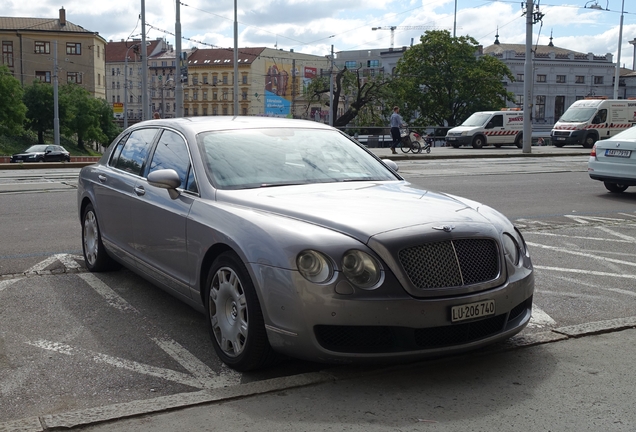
pixel 132 156
pixel 172 153
pixel 600 117
pixel 114 156
pixel 497 121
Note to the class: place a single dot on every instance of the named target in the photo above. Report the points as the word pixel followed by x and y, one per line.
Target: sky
pixel 312 27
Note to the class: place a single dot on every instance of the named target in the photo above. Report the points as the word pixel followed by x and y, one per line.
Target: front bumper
pixel 459 140
pixel 316 323
pixel 572 137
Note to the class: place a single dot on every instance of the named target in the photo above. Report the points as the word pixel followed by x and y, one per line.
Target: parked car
pixel 613 161
pixel 294 239
pixel 42 153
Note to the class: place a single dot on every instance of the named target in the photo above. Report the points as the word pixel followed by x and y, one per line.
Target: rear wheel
pixel 235 319
pixel 589 141
pixel 615 188
pixel 405 146
pixel 95 256
pixel 519 141
pixel 479 141
pixel 417 147
pixel 455 145
pixel 558 144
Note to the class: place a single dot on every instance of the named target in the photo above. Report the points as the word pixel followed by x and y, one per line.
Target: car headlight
pixel 361 269
pixel 511 248
pixel 314 266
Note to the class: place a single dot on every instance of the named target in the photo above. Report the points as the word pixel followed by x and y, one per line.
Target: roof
pixel 40 24
pixel 217 56
pixel 116 51
pixel 541 51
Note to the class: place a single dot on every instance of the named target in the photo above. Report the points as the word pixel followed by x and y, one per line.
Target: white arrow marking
pixel 540 318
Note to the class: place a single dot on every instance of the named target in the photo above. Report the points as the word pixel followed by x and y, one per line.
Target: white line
pixel 111 297
pixel 586 272
pixel 68 261
pixel 596 257
pixel 543 233
pixel 207 377
pixel 141 368
pixel 614 233
pixel 588 219
pixel 540 318
pixel 7 283
pixel 628 214
pixel 42 265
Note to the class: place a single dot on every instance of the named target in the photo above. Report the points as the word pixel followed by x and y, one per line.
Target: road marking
pixel 7 283
pixel 589 219
pixel 614 233
pixel 540 319
pixel 586 272
pixel 586 255
pixel 111 297
pixel 549 234
pixel 67 260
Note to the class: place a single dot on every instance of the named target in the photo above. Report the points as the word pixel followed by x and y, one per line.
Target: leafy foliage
pixel 12 109
pixel 444 80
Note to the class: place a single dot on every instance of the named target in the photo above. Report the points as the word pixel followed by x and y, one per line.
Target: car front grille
pixel 561 133
pixel 451 263
pixel 386 339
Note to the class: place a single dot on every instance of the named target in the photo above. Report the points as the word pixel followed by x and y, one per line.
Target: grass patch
pixel 14 144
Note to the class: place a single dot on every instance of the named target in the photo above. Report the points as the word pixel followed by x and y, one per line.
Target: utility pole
pixel 618 58
pixel 532 17
pixel 144 65
pixel 56 108
pixel 178 85
pixel 235 96
pixel 331 111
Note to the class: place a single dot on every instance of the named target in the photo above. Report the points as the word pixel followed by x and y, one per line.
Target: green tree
pixel 107 124
pixel 38 98
pixel 362 94
pixel 445 80
pixel 82 114
pixel 12 109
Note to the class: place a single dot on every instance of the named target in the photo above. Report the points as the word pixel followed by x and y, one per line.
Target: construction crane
pixel 393 28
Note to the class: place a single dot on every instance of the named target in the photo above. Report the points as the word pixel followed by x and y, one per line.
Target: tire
pixel 455 145
pixel 615 188
pixel 428 150
pixel 405 147
pixel 234 316
pixel 95 256
pixel 417 147
pixel 497 145
pixel 519 141
pixel 558 144
pixel 589 141
pixel 479 141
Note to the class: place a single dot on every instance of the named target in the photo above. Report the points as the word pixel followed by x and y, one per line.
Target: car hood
pixel 28 154
pixel 360 209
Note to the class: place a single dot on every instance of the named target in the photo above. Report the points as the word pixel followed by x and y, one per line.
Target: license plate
pixel 472 310
pixel 618 153
pixel 560 139
pixel 450 139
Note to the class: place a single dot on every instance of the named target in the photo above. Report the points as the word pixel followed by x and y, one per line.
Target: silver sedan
pixel 295 240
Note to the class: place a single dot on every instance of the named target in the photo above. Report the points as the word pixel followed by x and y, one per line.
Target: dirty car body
pixel 294 239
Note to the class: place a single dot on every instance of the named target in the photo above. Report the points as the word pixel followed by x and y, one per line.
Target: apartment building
pixel 270 82
pixel 31 46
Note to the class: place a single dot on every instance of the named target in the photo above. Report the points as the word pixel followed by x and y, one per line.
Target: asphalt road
pixel 72 340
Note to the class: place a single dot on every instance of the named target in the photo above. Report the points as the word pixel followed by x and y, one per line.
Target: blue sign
pixel 276 106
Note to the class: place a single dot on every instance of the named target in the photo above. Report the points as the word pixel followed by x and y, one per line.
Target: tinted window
pixel 117 150
pixel 171 153
pixel 497 121
pixel 135 150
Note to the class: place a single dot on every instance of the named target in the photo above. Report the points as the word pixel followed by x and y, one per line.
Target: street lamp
pixel 618 56
pixel 595 5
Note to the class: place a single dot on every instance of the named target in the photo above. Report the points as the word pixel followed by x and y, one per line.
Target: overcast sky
pixel 312 26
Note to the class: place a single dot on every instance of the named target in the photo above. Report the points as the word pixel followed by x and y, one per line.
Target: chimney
pixel 62 17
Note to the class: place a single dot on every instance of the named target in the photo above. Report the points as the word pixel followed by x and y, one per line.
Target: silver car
pixel 613 161
pixel 294 239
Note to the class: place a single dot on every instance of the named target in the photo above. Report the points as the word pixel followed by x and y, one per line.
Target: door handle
pixel 102 178
pixel 139 190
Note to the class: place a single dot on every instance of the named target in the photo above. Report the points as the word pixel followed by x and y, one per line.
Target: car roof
pixel 212 123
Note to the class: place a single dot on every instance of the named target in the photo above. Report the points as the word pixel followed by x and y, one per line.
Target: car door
pixel 114 188
pixel 495 130
pixel 159 220
pixel 50 155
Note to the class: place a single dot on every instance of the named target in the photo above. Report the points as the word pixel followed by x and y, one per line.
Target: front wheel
pixel 416 147
pixel 478 142
pixel 615 188
pixel 235 319
pixel 95 256
pixel 589 141
pixel 405 147
pixel 428 150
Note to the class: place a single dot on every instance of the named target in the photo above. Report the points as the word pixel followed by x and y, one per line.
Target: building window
pixel 579 79
pixel 113 86
pixel 43 76
pixel 195 111
pixel 185 95
pixel 205 95
pixel 7 53
pixel 117 98
pixel 205 111
pixel 224 110
pixel 195 80
pixel 559 107
pixel 224 79
pixel 598 80
pixel 244 78
pixel 244 95
pixel 351 64
pixel 224 94
pixel 205 79
pixel 244 111
pixel 560 79
pixel 99 79
pixel 42 47
pixel 186 112
pixel 215 96
pixel 195 95
pixel 74 77
pixel 113 98
pixel 541 78
pixel 73 48
pixel 520 77
pixel 373 63
pixel 519 101
pixel 214 80
pixel 539 108
pixel 215 111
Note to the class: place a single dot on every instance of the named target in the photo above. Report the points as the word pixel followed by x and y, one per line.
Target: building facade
pixel 29 51
pixel 270 82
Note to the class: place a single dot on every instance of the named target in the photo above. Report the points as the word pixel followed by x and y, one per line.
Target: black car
pixel 42 153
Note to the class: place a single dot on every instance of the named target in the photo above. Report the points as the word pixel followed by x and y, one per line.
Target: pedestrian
pixel 396 123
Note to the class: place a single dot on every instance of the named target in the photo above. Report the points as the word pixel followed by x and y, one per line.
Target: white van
pixel 591 119
pixel 497 128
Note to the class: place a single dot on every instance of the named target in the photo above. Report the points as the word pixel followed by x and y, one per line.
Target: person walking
pixel 396 123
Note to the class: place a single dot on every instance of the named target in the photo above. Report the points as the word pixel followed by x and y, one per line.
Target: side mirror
pixel 391 164
pixel 166 179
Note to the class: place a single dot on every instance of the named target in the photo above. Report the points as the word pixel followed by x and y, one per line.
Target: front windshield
pixel 477 119
pixel 249 158
pixel 577 115
pixel 36 148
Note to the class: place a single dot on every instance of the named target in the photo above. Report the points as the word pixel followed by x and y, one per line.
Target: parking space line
pixel 111 297
pixel 549 234
pixel 586 272
pixel 616 234
pixel 586 255
pixel 7 283
pixel 540 318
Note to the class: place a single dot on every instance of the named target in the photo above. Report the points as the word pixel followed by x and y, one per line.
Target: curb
pixel 92 416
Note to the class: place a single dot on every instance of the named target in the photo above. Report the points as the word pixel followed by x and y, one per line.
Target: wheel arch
pixel 210 255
